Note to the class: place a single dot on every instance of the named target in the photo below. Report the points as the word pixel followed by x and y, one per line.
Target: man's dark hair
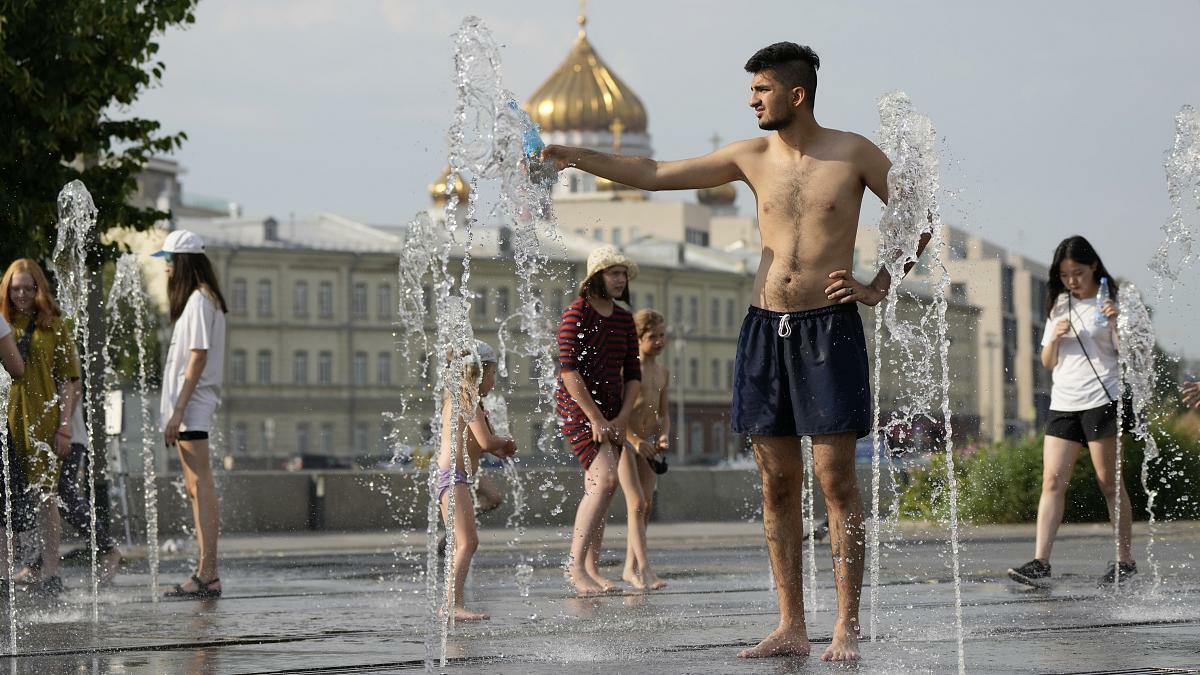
pixel 794 65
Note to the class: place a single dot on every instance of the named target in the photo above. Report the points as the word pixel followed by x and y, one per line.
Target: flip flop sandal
pixel 203 590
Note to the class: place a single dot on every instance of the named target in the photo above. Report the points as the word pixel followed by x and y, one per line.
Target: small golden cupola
pixel 437 189
pixel 720 198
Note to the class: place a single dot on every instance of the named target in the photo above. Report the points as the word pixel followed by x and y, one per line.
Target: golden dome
pixel 623 192
pixel 721 195
pixel 584 95
pixel 437 189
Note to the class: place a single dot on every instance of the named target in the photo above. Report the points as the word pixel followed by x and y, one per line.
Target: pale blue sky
pixel 1055 115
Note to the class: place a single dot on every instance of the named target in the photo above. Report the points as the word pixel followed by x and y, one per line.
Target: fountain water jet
pixel 76 233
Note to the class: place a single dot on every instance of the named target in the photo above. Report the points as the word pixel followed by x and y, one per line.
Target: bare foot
pixel 26 576
pixel 109 562
pixel 653 582
pixel 585 586
pixel 630 576
pixel 785 641
pixel 464 614
pixel 599 579
pixel 844 646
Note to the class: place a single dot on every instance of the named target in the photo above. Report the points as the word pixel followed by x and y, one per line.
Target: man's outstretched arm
pixel 716 168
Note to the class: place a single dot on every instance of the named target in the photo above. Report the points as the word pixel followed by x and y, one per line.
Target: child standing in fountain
pixel 191 392
pixel 599 382
pixel 478 378
pixel 649 429
pixel 1080 346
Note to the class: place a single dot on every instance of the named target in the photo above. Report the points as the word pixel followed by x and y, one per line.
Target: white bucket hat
pixel 181 241
pixel 606 257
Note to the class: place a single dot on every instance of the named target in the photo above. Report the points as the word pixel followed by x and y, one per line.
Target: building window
pixel 718 437
pixel 303 430
pixel 325 299
pixel 427 298
pixel 616 236
pixel 237 295
pixel 677 314
pixel 241 435
pixel 266 435
pixel 715 374
pixel 1038 298
pixel 697 237
pixel 1007 274
pixel 358 302
pixel 481 304
pixel 385 433
pixel 325 368
pixel 327 438
pixel 729 315
pixel 237 366
pixel 502 308
pixel 384 293
pixel 1010 350
pixel 958 291
pixel 300 368
pixel 598 234
pixel 696 442
pixel 694 312
pixel 650 300
pixel 266 306
pixel 714 316
pixel 360 369
pixel 264 367
pixel 360 438
pixel 729 374
pixel 694 372
pixel 384 368
pixel 300 300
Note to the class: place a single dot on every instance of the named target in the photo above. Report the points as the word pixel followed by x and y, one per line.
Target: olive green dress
pixel 33 406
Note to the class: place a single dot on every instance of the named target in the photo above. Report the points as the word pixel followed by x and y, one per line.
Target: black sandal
pixel 203 590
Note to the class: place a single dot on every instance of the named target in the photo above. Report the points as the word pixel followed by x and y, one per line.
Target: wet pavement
pixel 354 603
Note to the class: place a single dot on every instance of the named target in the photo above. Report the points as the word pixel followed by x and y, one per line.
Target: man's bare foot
pixel 600 580
pixel 109 563
pixel 653 582
pixel 630 576
pixel 844 646
pixel 464 614
pixel 785 641
pixel 585 586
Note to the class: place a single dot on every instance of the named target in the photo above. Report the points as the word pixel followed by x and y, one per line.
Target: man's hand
pixel 845 288
pixel 562 156
pixel 1191 394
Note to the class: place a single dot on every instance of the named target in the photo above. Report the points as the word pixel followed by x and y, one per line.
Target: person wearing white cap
pixel 191 391
pixel 599 381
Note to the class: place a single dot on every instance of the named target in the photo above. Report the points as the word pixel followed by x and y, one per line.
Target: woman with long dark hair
pixel 1080 346
pixel 40 406
pixel 191 392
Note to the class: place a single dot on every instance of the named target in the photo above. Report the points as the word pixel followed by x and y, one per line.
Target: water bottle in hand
pixel 1102 320
pixel 531 146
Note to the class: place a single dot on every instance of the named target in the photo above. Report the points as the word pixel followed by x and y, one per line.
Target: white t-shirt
pixel 5 329
pixel 79 430
pixel 201 326
pixel 1075 385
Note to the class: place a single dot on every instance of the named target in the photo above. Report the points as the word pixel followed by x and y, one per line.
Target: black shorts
pixel 1084 426
pixel 802 374
pixel 193 435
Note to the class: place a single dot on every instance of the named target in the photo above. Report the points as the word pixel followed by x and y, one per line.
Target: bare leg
pixel 198 479
pixel 1104 458
pixel 595 545
pixel 51 532
pixel 781 466
pixel 466 542
pixel 833 464
pixel 599 483
pixel 1058 461
pixel 637 507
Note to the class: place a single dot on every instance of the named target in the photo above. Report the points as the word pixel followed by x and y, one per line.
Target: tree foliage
pixel 69 70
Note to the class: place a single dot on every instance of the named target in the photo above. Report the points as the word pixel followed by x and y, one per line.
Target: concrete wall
pixel 279 501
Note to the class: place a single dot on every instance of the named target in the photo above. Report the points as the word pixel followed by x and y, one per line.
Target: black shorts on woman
pixel 1084 426
pixel 802 373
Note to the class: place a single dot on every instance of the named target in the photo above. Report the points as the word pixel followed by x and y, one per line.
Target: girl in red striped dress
pixel 598 384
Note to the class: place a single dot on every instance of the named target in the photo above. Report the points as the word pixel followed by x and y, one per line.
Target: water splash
pixel 69 263
pixel 912 324
pixel 810 525
pixel 1137 360
pixel 6 457
pixel 127 299
pixel 1180 231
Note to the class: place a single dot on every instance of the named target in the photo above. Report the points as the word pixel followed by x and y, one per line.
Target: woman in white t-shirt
pixel 191 392
pixel 1080 346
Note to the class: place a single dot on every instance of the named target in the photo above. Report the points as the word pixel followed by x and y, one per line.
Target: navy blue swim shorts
pixel 802 373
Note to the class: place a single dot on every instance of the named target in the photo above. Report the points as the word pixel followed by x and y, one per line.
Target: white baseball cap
pixel 181 241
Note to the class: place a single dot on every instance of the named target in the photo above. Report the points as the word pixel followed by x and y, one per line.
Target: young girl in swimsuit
pixel 479 376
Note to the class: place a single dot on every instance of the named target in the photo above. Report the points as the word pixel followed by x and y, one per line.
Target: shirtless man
pixel 809 182
pixel 645 439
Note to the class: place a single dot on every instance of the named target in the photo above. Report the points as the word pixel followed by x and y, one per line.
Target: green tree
pixel 69 70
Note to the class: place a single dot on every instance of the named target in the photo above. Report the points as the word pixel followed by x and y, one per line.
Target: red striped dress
pixel 604 351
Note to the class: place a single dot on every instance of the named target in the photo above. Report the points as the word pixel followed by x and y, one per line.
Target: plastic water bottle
pixel 1102 320
pixel 531 146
